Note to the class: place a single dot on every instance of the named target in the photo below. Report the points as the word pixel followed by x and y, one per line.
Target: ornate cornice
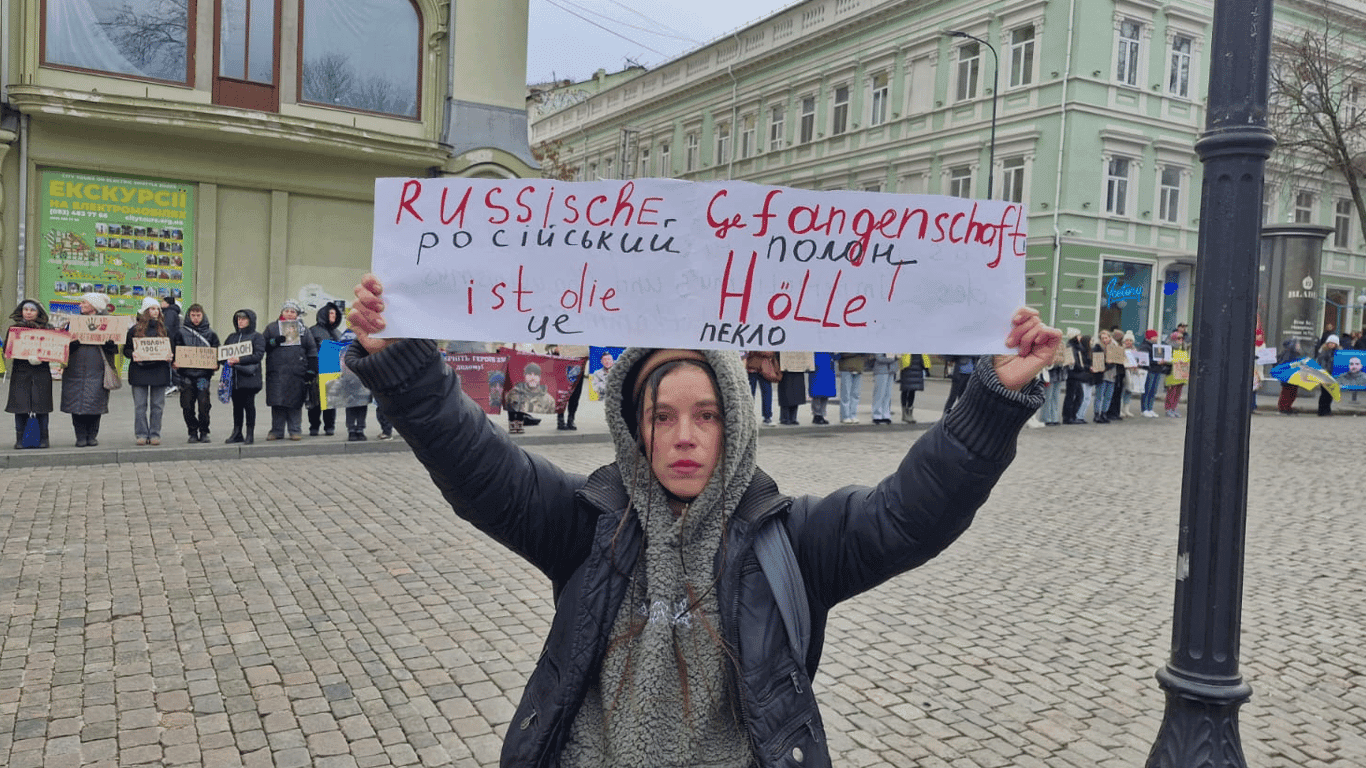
pixel 235 126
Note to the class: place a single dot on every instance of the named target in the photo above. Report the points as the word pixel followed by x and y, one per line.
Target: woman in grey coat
pixel 83 392
pixel 291 366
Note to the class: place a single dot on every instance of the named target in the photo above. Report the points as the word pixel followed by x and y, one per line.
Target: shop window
pixel 147 39
pixel 361 54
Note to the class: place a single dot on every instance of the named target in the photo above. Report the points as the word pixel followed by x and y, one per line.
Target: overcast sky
pixel 568 39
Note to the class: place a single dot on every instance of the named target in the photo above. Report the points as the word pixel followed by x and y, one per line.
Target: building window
pixel 877 114
pixel 607 169
pixel 1352 100
pixel 335 62
pixel 808 120
pixel 139 38
pixel 960 181
pixel 969 66
pixel 645 168
pixel 1304 207
pixel 1169 197
pixel 690 152
pixel 593 171
pixel 1126 68
pixel 874 186
pixel 1022 55
pixel 1179 79
pixel 1012 179
pixel 1117 186
pixel 1342 224
pixel 666 168
pixel 747 133
pixel 777 120
pixel 839 115
pixel 722 143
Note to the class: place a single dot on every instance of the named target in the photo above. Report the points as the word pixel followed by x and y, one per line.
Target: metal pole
pixel 1203 686
pixel 995 93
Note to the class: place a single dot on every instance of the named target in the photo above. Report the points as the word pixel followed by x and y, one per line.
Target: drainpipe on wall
pixel 1062 143
pixel 450 77
pixel 734 109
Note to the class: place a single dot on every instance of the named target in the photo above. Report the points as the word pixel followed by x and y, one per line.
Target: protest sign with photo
pixel 481 377
pixel 147 349
pixel 600 360
pixel 1348 368
pixel 338 387
pixel 1162 353
pixel 229 351
pixel 292 330
pixel 717 265
pixel 196 357
pixel 37 344
pixel 538 383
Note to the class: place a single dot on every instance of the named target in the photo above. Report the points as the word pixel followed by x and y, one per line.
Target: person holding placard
pixel 1327 351
pixel 291 364
pixel 150 346
pixel 668 642
pixel 88 377
pixel 196 383
pixel 30 382
pixel 1179 372
pixel 327 328
pixel 1158 367
pixel 246 376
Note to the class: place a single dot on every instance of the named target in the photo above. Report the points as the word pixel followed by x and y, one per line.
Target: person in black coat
pixel 170 316
pixel 246 376
pixel 84 395
pixel 30 383
pixel 327 328
pixel 148 379
pixel 195 383
pixel 291 367
pixel 1078 375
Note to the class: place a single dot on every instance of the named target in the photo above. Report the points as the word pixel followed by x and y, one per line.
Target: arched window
pixel 146 39
pixel 361 54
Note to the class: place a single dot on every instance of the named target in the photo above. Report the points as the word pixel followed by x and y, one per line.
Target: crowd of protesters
pixel 283 361
pixel 1092 379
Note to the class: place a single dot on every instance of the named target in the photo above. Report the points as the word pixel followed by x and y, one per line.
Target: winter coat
pixel 83 392
pixel 197 336
pixel 153 373
pixel 913 375
pixel 567 524
pixel 289 369
pixel 246 375
pixel 30 385
pixel 823 380
pixel 323 330
pixel 170 315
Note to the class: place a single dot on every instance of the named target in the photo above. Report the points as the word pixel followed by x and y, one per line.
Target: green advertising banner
pixel 124 237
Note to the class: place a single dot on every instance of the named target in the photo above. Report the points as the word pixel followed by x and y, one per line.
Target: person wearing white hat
pixel 84 395
pixel 148 379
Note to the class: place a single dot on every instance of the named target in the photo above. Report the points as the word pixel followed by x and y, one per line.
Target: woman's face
pixel 683 431
pixel 87 308
pixel 289 314
pixel 152 313
pixel 30 313
pixel 1104 337
pixel 241 321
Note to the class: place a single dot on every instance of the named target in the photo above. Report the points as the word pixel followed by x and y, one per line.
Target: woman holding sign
pixel 691 595
pixel 88 377
pixel 150 346
pixel 30 383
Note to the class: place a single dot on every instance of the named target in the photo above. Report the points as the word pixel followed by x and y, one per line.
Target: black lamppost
pixel 995 83
pixel 1203 686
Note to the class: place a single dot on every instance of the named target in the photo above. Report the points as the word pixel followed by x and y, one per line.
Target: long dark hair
pixel 649 396
pixel 147 326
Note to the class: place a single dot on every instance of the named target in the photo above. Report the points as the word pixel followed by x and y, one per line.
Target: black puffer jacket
pixel 563 523
pixel 246 374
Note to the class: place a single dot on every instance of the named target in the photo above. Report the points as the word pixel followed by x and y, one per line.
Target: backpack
pixel 774 551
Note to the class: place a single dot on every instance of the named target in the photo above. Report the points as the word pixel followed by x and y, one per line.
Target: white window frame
pixel 777 126
pixel 960 181
pixel 1169 195
pixel 1022 56
pixel 690 152
pixel 666 169
pixel 1117 184
pixel 748 135
pixel 807 124
pixel 879 91
pixel 839 109
pixel 722 134
pixel 1179 65
pixel 1013 179
pixel 968 71
pixel 1302 212
pixel 1128 51
pixel 1343 213
pixel 646 169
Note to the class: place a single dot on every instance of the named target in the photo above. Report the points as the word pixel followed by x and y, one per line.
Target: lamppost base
pixel 1200 725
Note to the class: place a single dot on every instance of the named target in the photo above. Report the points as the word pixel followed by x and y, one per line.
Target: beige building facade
pixel 225 153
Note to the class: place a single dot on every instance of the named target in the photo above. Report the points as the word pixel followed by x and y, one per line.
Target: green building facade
pixel 1098 104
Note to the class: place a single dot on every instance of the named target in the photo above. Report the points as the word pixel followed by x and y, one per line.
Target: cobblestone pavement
pixel 311 610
